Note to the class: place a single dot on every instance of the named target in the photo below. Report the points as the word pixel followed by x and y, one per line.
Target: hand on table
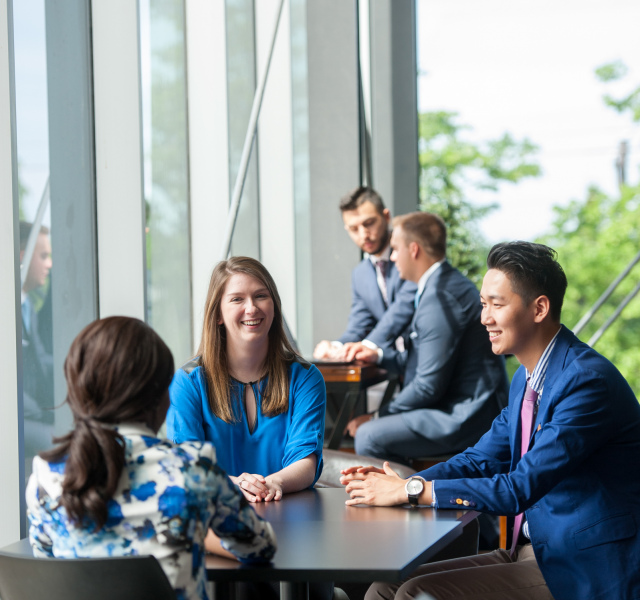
pixel 374 486
pixel 352 426
pixel 257 488
pixel 358 351
pixel 325 350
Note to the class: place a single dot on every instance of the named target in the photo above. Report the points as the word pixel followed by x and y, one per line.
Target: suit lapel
pixel 556 365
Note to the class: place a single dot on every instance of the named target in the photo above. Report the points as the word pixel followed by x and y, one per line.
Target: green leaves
pixel 630 103
pixel 452 167
pixel 596 239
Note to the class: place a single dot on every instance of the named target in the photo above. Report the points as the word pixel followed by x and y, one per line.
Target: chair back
pixel 120 578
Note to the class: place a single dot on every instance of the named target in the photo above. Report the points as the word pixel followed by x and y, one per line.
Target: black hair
pixel 359 196
pixel 533 270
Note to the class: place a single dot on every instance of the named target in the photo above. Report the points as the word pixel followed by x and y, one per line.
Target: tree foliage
pixel 628 103
pixel 451 169
pixel 596 239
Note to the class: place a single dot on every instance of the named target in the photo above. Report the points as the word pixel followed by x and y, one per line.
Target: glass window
pixel 166 182
pixel 241 85
pixel 32 125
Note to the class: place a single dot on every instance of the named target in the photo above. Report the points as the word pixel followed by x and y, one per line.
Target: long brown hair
pixel 118 370
pixel 213 345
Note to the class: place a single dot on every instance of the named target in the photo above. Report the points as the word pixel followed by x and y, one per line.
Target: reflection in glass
pixel 241 86
pixel 32 125
pixel 166 173
pixel 37 342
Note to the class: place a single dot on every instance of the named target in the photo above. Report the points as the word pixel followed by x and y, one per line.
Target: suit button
pixel 465 502
pixel 458 500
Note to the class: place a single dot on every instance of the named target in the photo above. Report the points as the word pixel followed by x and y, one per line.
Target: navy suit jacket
pixel 579 483
pixel 370 317
pixel 454 384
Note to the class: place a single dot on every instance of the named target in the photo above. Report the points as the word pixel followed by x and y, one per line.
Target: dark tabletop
pixel 322 539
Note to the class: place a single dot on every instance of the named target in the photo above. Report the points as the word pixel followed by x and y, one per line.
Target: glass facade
pixel 241 86
pixel 166 173
pixel 106 137
pixel 32 126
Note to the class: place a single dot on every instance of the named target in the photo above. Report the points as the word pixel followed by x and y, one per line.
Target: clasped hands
pixel 257 488
pixel 376 487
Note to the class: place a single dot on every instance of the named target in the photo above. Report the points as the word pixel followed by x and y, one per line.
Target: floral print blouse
pixel 168 496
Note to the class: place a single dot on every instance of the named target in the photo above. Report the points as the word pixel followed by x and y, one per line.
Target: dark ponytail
pixel 118 370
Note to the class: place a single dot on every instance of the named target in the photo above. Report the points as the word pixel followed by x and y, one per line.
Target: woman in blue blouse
pixel 112 488
pixel 247 391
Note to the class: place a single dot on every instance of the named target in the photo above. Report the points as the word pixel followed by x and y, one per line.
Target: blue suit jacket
pixel 454 384
pixel 370 318
pixel 579 483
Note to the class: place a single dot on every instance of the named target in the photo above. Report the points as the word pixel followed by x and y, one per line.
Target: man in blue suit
pixel 575 478
pixel 454 384
pixel 382 302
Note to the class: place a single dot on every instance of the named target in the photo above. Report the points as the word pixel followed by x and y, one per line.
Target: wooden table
pixel 322 539
pixel 345 383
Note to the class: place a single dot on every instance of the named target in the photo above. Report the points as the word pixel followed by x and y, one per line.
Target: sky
pixel 521 67
pixel 527 68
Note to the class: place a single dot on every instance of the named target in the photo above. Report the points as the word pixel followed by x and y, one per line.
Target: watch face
pixel 415 486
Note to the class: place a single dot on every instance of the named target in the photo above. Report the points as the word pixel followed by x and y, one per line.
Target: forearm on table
pixel 213 545
pixel 296 476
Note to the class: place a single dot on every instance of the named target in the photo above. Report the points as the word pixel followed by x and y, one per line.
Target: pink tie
pixel 526 420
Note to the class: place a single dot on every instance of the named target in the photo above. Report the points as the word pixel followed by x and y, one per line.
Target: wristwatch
pixel 414 488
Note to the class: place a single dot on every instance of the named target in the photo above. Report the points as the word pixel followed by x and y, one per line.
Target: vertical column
pixel 208 145
pixel 334 163
pixel 275 149
pixel 118 147
pixel 394 103
pixel 72 180
pixel 11 465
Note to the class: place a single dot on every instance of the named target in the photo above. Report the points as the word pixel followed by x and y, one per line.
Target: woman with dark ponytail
pixel 112 488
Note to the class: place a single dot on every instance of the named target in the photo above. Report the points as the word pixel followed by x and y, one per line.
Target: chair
pixel 124 578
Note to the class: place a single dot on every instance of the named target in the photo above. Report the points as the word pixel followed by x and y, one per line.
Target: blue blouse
pixel 274 443
pixel 167 498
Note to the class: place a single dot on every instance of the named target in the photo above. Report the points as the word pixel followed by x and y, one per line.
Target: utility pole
pixel 621 162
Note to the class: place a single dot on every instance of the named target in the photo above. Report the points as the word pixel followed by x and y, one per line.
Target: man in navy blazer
pixel 576 477
pixel 382 302
pixel 454 384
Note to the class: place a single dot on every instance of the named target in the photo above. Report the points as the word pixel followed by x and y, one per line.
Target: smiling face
pixel 368 228
pixel 246 309
pixel 511 324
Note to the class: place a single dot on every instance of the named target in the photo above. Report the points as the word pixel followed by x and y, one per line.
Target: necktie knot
pixel 530 395
pixel 381 268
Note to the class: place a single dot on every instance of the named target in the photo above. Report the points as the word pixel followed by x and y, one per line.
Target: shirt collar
pixel 385 255
pixel 135 429
pixel 422 282
pixel 536 378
